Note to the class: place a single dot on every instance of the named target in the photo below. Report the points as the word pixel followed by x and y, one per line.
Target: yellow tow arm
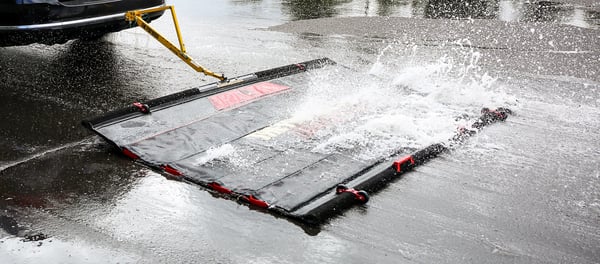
pixel 136 16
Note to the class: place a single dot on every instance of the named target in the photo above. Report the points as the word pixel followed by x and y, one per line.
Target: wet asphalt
pixel 525 191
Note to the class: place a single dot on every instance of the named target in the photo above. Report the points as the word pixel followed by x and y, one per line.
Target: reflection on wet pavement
pixel 513 11
pixel 85 171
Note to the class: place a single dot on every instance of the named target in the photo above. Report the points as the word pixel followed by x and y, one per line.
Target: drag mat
pixel 240 141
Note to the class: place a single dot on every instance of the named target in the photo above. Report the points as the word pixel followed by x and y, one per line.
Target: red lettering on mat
pixel 244 94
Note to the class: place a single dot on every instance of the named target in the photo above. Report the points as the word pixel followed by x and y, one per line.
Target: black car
pixel 49 22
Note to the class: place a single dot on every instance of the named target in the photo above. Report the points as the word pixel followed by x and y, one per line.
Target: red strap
pixel 130 154
pixel 171 170
pixel 219 188
pixel 257 202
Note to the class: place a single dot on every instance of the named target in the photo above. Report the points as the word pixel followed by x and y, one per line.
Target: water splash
pixel 216 153
pixel 388 107
pixel 395 106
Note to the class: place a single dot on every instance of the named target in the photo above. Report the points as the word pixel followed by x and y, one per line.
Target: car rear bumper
pixel 65 24
pixel 57 24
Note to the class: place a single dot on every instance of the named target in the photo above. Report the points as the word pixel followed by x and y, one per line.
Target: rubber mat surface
pixel 244 142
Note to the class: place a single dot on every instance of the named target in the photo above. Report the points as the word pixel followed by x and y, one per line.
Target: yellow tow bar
pixel 136 16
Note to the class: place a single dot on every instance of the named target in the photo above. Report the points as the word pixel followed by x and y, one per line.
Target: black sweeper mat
pixel 184 135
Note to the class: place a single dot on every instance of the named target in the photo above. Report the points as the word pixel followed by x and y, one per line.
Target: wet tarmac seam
pixel 11 164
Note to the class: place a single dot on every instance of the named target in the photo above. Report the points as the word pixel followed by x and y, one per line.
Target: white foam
pixel 220 152
pixel 396 106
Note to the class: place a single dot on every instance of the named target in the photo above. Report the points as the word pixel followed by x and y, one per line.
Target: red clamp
pixel 301 67
pixel 361 196
pixel 144 108
pixel 404 164
pixel 219 188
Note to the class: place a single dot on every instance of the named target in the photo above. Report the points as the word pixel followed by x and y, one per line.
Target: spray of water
pixel 392 107
pixel 225 150
pixel 389 107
